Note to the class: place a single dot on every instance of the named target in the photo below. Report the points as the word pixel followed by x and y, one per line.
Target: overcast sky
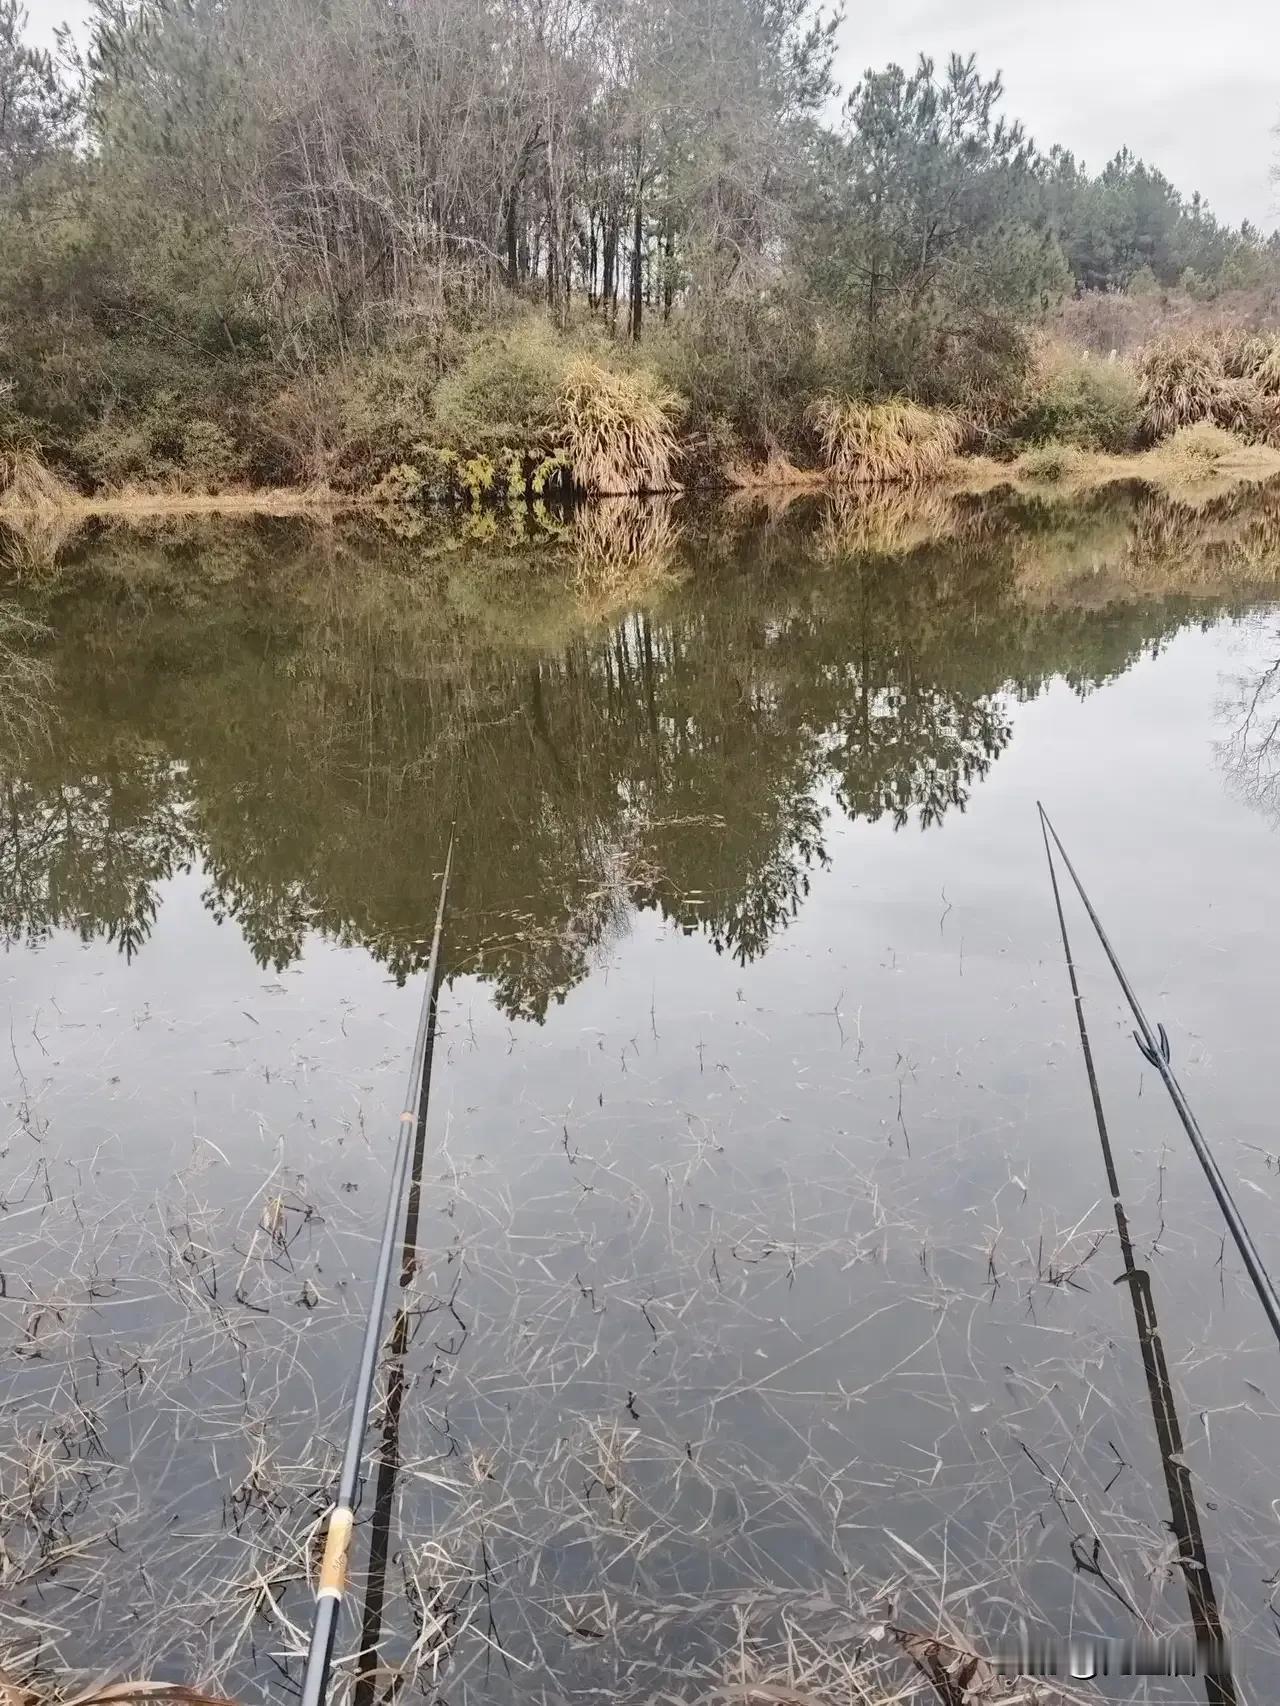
pixel 1192 85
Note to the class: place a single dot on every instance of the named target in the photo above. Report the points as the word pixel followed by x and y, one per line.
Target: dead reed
pixel 619 430
pixel 895 442
pixel 1229 379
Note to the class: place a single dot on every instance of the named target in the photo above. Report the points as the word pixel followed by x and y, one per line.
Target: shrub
pixel 1194 452
pixel 884 443
pixel 506 390
pixel 443 475
pixel 618 429
pixel 352 422
pixel 210 458
pixel 305 424
pixel 1049 462
pixel 403 483
pixel 1074 398
pixel 163 443
pixel 748 364
pixel 385 402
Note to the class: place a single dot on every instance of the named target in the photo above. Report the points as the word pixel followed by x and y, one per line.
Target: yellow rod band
pixel 333 1566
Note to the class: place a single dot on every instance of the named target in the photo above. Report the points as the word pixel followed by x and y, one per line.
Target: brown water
pixel 766 1261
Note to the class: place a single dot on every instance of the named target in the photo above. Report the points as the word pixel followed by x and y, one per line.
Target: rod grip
pixel 333 1566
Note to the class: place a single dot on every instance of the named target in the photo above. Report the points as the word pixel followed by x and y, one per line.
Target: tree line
pixel 213 197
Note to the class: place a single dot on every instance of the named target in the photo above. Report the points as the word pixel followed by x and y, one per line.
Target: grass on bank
pixel 619 430
pixel 528 415
pixel 891 443
pixel 1200 458
pixel 1230 379
pixel 525 407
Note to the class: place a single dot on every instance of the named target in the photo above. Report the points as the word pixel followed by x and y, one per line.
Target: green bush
pixel 1073 398
pixel 506 390
pixel 162 443
pixel 210 458
pixel 749 368
pixel 1049 462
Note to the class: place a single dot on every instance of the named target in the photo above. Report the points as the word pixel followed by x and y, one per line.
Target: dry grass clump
pixel 28 483
pixel 869 1664
pixel 1051 462
pixel 1230 379
pixel 892 443
pixel 36 506
pixel 32 540
pixel 1179 380
pixel 133 1693
pixel 1196 452
pixel 619 430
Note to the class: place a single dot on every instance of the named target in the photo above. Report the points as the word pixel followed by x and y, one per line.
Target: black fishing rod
pixel 1156 1050
pixel 375 1590
pixel 1184 1513
pixel 332 1581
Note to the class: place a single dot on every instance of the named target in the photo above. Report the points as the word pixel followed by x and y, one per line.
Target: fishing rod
pixel 1184 1513
pixel 332 1580
pixel 1156 1050
pixel 389 1456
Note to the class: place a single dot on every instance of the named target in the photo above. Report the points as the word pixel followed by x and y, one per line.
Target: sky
pixel 1192 87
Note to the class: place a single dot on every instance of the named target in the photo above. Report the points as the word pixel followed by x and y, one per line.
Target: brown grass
pixel 40 514
pixel 1172 466
pixel 27 483
pixel 893 443
pixel 131 1693
pixel 124 505
pixel 1231 379
pixel 1102 322
pixel 619 430
pixel 775 471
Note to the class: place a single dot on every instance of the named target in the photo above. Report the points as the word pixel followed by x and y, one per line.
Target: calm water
pixel 766 1274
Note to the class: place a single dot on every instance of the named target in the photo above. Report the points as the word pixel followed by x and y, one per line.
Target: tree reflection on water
pixel 300 711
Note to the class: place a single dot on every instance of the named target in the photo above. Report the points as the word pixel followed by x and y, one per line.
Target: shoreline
pixel 1079 473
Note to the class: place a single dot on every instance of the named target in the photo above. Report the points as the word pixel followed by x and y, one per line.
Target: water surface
pixel 766 1275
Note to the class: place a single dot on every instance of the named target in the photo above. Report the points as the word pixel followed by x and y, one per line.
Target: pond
pixel 765 1296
